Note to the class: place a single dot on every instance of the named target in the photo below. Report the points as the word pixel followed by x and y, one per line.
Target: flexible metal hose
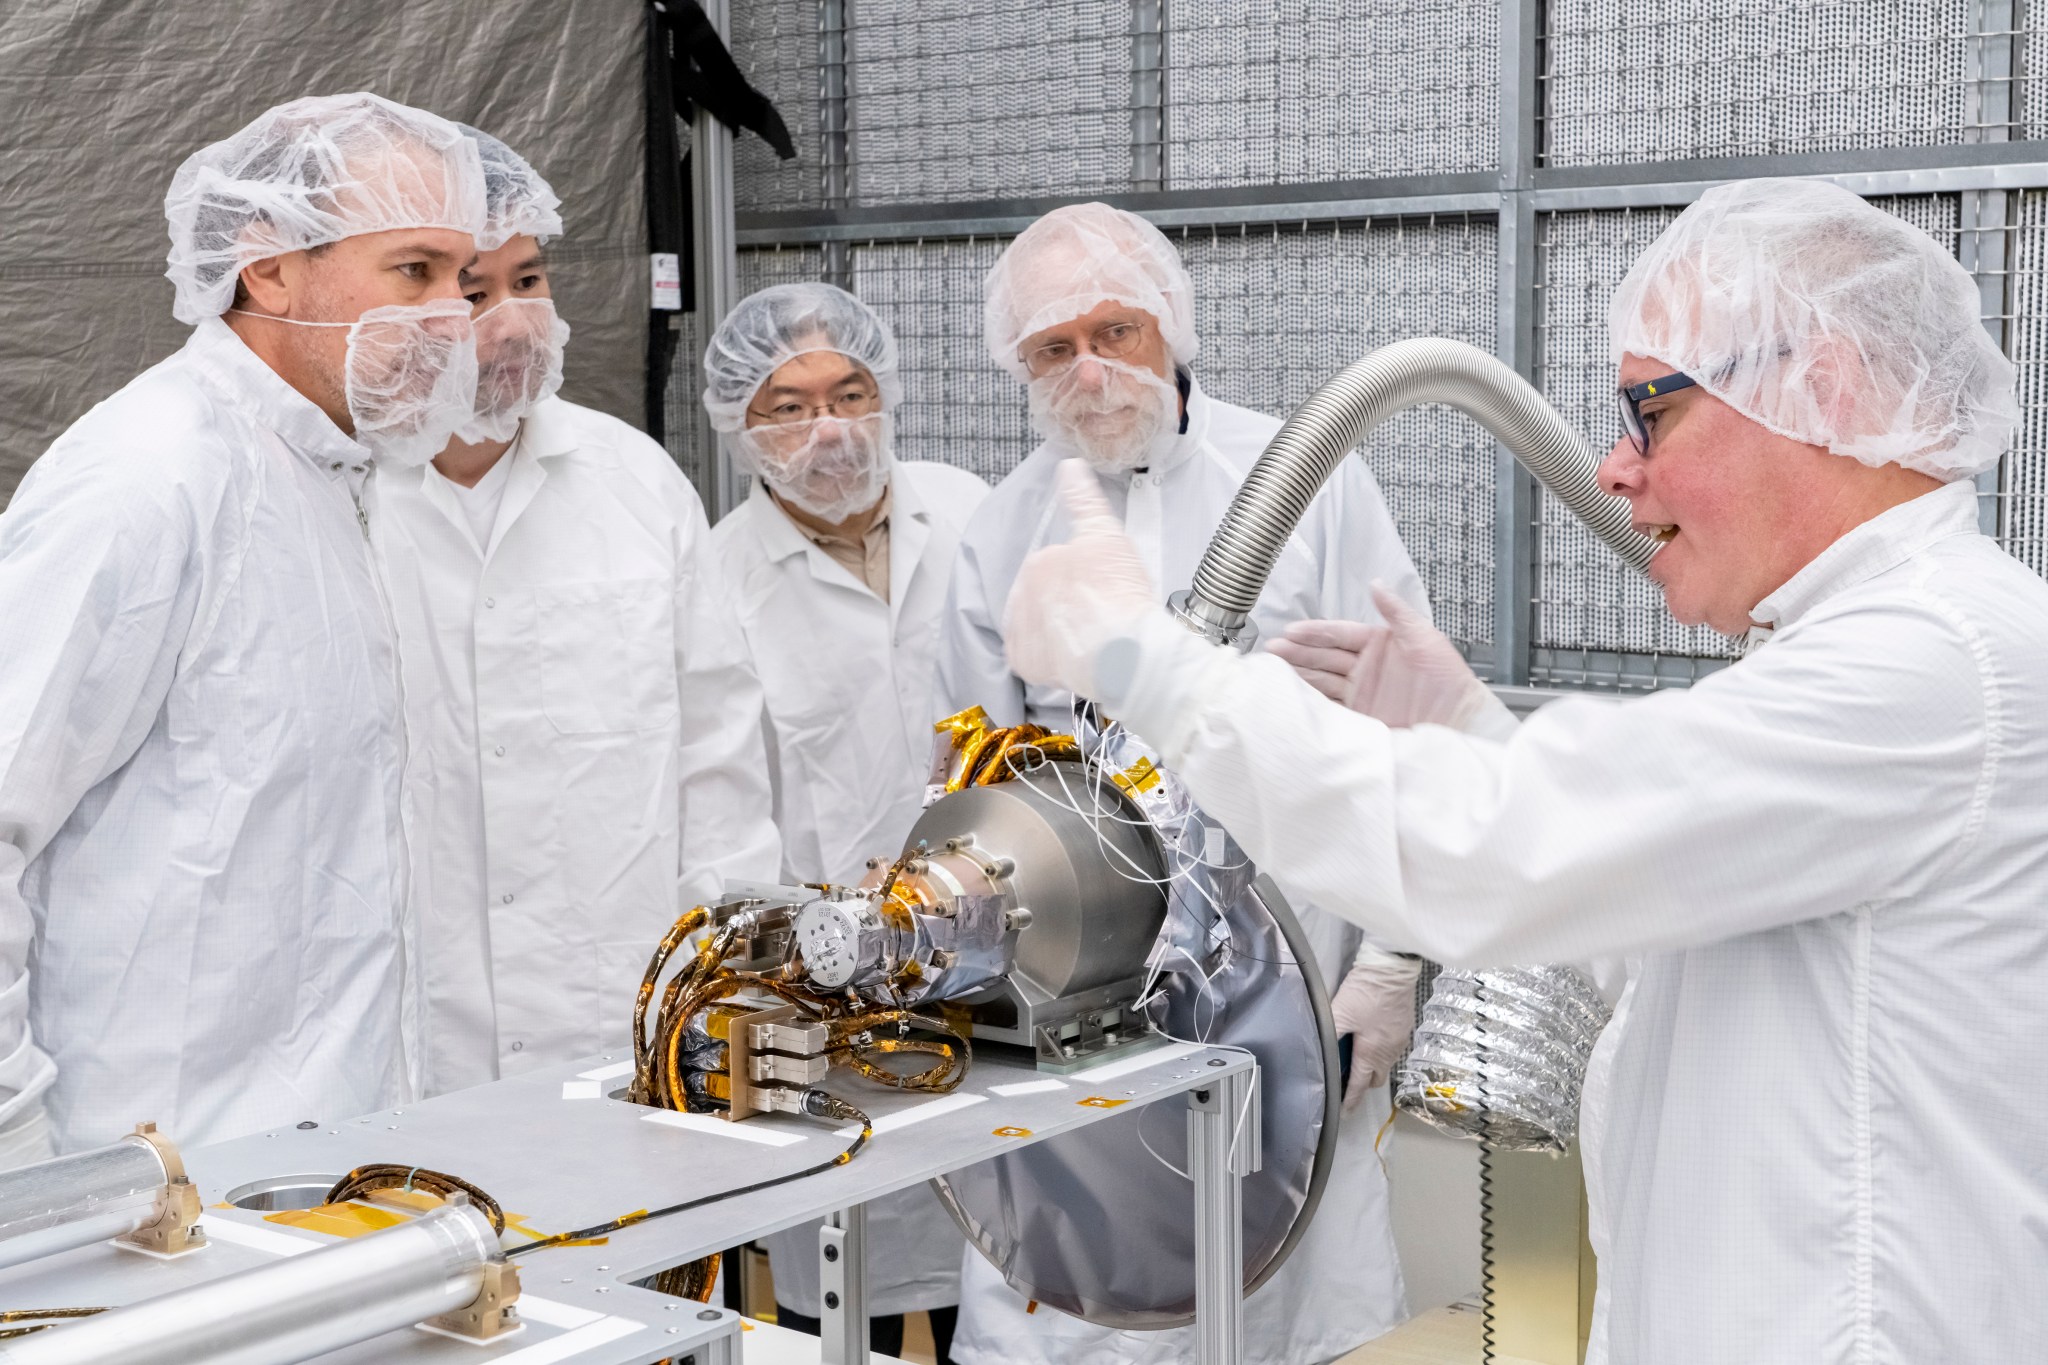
pixel 1326 428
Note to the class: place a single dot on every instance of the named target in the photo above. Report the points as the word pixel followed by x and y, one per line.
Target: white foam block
pixel 1027 1087
pixel 1144 1061
pixel 554 1313
pixel 930 1109
pixel 572 1343
pixel 745 1132
pixel 258 1239
pixel 582 1090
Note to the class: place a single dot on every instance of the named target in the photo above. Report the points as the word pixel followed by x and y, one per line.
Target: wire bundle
pixel 859 1033
pixel 364 1180
pixel 42 1319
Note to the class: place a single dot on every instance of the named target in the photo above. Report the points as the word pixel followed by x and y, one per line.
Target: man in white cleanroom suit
pixel 584 761
pixel 1092 309
pixel 838 562
pixel 1819 1134
pixel 201 856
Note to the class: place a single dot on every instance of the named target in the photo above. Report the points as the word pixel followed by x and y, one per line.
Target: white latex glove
pixel 1069 600
pixel 1376 1006
pixel 25 1139
pixel 1405 672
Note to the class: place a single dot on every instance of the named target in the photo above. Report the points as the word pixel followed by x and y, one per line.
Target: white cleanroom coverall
pixel 1342 1284
pixel 848 683
pixel 1826 1092
pixel 201 866
pixel 585 759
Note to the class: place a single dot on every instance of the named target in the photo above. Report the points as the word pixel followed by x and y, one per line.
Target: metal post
pixel 1223 1147
pixel 716 263
pixel 1515 504
pixel 835 146
pixel 1985 245
pixel 1148 95
pixel 723 1349
pixel 843 1287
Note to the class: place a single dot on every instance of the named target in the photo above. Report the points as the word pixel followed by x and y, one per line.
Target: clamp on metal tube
pixel 174 1228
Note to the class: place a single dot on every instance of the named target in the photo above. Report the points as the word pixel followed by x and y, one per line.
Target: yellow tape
pixel 1141 776
pixel 338 1220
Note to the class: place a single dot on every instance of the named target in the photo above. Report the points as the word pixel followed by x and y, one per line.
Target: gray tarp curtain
pixel 101 99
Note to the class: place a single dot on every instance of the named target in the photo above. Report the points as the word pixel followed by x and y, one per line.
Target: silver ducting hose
pixel 1501 1055
pixel 1315 440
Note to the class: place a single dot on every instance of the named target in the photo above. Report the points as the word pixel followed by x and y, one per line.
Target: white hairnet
pixel 773 327
pixel 517 202
pixel 1827 320
pixel 307 173
pixel 1072 261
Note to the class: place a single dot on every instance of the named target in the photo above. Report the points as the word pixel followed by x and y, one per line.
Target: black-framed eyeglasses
pixel 1629 398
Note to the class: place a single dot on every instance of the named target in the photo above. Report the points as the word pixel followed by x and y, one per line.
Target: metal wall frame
pixel 1983 170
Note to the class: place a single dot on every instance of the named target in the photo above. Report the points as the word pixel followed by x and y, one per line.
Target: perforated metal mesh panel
pixel 1281 311
pixel 958 408
pixel 2024 483
pixel 981 99
pixel 775 43
pixel 1658 80
pixel 1586 597
pixel 1587 600
pixel 958 101
pixel 1264 93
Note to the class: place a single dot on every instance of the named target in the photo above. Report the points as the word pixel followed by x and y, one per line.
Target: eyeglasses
pixel 1112 340
pixel 1629 398
pixel 847 403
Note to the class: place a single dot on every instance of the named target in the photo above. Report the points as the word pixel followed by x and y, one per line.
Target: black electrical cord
pixel 816 1102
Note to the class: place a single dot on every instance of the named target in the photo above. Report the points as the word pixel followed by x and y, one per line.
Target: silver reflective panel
pixel 1101 1224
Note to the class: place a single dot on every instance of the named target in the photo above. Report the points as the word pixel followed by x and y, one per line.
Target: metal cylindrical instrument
pixel 293 1310
pixel 73 1201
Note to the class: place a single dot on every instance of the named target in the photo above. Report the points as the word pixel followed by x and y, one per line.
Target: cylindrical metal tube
pixel 293 1310
pixel 73 1201
pixel 1326 428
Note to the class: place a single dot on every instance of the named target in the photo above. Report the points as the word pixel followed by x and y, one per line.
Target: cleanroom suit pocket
pixel 607 655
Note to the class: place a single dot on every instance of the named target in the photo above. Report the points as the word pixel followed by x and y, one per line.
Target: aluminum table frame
pixel 559 1154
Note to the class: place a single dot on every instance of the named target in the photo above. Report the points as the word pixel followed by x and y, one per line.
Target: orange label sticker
pixel 1101 1102
pixel 1013 1132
